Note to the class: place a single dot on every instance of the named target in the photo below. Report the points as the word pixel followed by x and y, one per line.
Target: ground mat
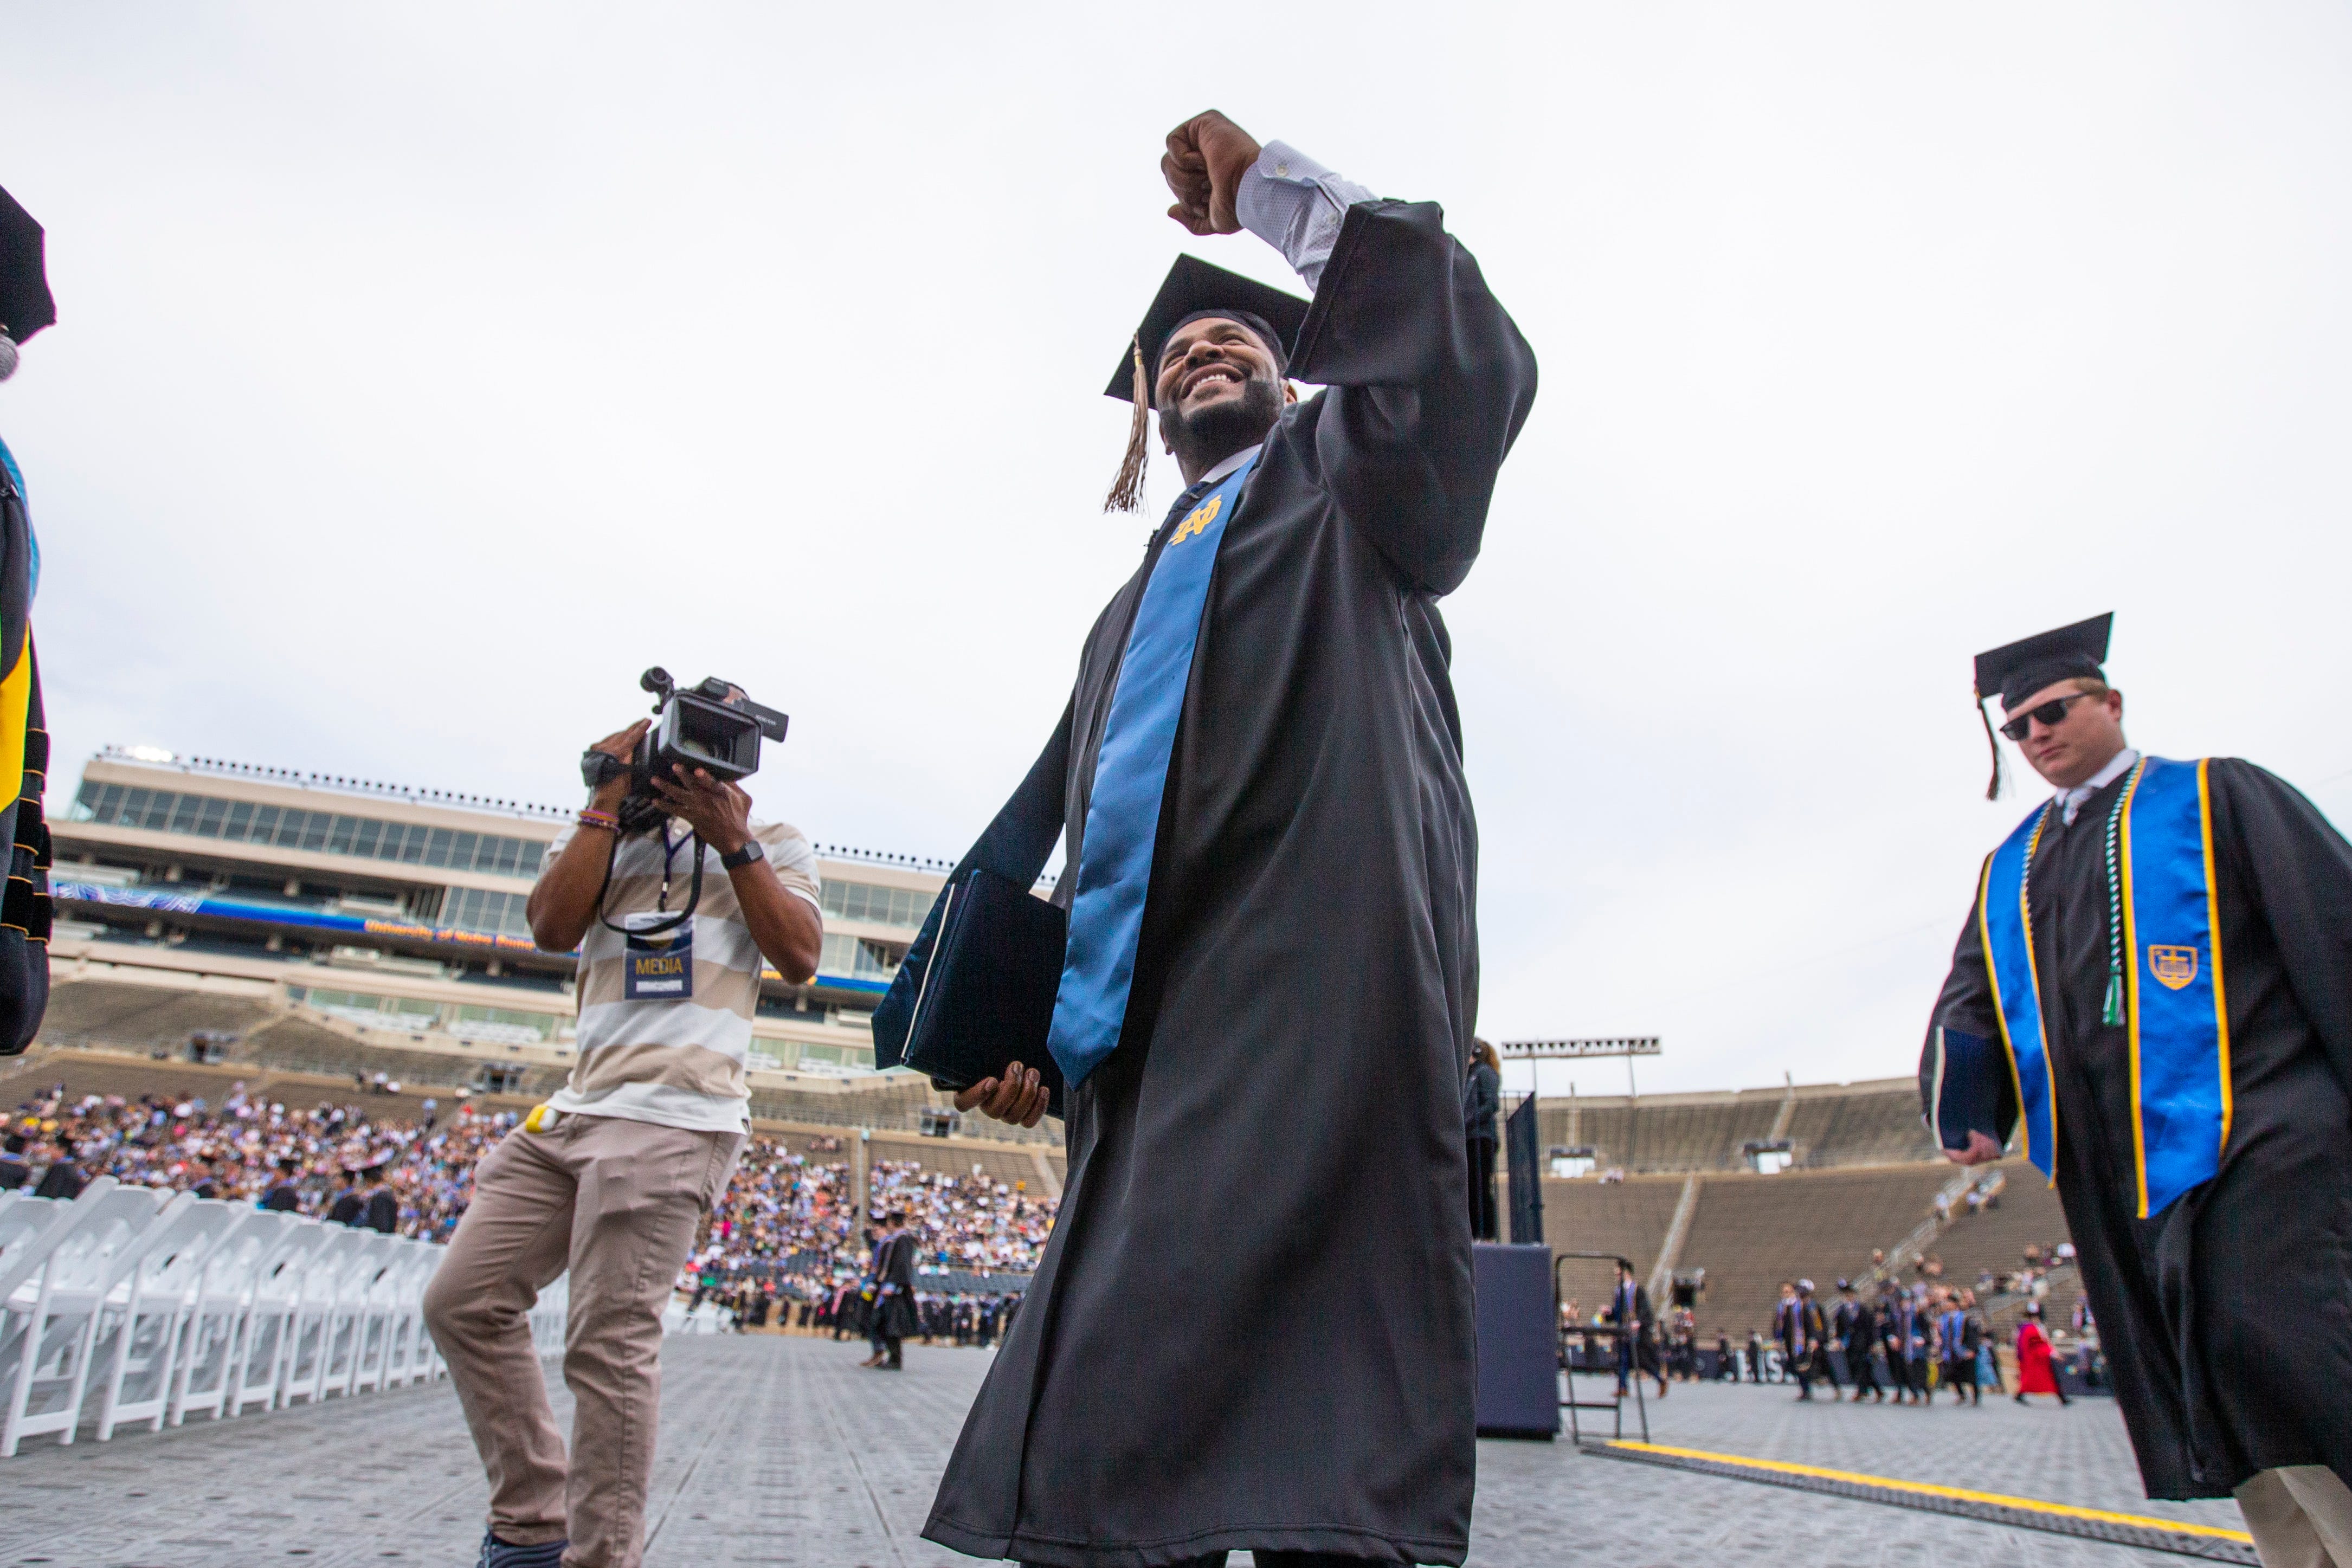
pixel 2026 1513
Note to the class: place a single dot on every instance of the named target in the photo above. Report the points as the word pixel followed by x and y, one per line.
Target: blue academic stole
pixel 2162 894
pixel 1114 872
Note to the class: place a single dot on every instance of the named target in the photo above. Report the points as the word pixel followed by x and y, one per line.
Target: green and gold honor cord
pixel 2113 1014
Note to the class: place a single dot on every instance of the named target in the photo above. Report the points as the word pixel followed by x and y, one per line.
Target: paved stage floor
pixel 780 1450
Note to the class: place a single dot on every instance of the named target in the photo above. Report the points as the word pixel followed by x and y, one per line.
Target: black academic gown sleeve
pixel 1430 382
pixel 2299 871
pixel 1967 1004
pixel 1278 1141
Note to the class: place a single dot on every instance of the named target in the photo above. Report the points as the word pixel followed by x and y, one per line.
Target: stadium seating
pixel 292 1043
pixel 1751 1232
pixel 84 1072
pixel 1826 1127
pixel 1881 1128
pixel 1010 1166
pixel 1629 1218
pixel 144 1018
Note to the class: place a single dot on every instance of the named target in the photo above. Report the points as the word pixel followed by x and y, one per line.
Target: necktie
pixel 1184 503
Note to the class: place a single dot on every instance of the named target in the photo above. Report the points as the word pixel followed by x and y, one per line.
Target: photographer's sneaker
pixel 497 1554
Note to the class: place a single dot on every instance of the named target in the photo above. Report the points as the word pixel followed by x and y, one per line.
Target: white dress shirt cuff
pixel 1295 205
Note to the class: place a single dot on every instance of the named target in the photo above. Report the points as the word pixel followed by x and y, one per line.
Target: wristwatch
pixel 752 851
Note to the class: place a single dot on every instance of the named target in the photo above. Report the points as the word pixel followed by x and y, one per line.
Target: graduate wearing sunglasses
pixel 2152 996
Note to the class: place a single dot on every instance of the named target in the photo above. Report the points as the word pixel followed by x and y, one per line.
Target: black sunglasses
pixel 2048 713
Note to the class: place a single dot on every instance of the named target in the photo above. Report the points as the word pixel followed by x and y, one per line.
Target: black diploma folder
pixel 987 996
pixel 1971 1074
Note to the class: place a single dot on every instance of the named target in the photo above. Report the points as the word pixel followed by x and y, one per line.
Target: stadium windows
pixel 503 1023
pixel 365 837
pixel 855 956
pixel 474 909
pixel 885 905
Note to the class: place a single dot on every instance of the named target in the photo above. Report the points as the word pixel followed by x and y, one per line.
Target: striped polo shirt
pixel 646 1053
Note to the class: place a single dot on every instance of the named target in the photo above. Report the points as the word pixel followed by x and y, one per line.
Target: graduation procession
pixel 1320 959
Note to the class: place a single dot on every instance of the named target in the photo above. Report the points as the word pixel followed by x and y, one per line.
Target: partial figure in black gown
pixel 1274 1138
pixel 1482 1103
pixel 2225 1315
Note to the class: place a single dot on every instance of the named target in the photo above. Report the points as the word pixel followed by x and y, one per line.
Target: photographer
pixel 612 1176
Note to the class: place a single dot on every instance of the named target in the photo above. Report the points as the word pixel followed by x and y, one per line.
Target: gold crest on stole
pixel 2174 967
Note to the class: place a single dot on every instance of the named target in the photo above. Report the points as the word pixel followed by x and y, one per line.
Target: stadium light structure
pixel 1627 1046
pixel 1545 1050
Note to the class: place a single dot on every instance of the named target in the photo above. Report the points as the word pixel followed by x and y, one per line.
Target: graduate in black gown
pixel 2189 1088
pixel 1267 1132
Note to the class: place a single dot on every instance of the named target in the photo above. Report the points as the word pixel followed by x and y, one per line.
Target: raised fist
pixel 1206 158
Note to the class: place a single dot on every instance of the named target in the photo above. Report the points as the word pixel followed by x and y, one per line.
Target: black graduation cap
pixel 25 304
pixel 2015 671
pixel 1192 288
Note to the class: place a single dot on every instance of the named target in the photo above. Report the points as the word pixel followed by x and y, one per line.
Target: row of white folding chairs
pixel 160 1303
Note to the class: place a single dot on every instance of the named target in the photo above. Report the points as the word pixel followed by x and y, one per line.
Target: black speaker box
pixel 1518 1342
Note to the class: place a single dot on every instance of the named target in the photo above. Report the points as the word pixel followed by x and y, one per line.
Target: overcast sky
pixel 422 372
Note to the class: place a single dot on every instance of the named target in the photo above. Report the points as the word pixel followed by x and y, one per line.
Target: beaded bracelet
pixel 593 818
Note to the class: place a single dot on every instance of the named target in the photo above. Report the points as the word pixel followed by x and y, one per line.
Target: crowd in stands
pixel 784 1214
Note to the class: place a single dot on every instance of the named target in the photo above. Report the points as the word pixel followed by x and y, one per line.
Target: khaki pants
pixel 618 1202
pixel 2300 1516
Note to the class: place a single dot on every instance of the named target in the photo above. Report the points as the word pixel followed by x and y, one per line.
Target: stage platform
pixel 779 1451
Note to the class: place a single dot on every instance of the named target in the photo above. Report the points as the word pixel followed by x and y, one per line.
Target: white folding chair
pixel 309 1328
pixel 551 1314
pixel 203 1369
pixel 29 1227
pixel 347 1343
pixel 353 1266
pixel 151 1291
pixel 379 1315
pixel 406 1345
pixel 51 1317
pixel 267 1344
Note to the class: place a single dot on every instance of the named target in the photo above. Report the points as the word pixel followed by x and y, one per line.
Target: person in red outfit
pixel 2034 1373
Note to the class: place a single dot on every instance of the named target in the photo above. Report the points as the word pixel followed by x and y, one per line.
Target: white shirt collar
pixel 1229 465
pixel 2071 800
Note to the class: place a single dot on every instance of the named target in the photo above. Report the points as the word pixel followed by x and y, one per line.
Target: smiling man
pixel 2155 982
pixel 1265 1012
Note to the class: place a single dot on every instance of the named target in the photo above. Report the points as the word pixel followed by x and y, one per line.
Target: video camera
pixel 697 726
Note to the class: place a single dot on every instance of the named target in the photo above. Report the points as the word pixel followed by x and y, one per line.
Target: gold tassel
pixel 1127 490
pixel 1992 791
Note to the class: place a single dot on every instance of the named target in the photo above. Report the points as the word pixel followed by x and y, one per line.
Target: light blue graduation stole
pixel 2164 925
pixel 1114 871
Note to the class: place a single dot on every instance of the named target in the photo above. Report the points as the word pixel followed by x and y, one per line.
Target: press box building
pixel 401 910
